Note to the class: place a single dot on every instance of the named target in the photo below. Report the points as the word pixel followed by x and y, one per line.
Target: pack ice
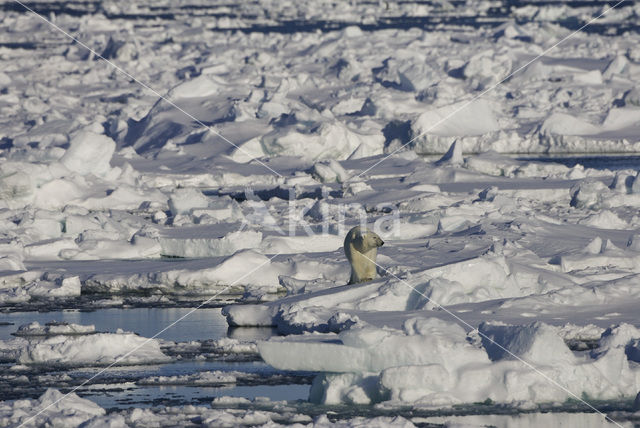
pixel 504 276
pixel 75 345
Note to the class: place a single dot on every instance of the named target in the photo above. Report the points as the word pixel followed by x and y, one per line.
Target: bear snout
pixel 380 242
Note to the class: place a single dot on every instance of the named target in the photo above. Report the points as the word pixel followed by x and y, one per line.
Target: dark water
pixel 152 396
pixel 202 324
pixel 258 20
pixel 610 162
pixel 127 394
pixel 116 387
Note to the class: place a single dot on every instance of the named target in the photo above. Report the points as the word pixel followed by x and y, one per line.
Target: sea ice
pixel 105 189
pixel 432 363
pixel 53 408
pixel 53 329
pixel 96 349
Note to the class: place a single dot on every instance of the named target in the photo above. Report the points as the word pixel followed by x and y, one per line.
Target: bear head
pixel 366 240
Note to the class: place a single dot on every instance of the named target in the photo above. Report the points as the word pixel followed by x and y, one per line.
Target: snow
pixel 368 350
pixel 474 118
pixel 184 200
pixel 53 328
pixel 40 288
pixel 54 408
pixel 71 346
pixel 535 343
pixel 89 153
pixel 73 411
pixel 431 363
pixel 204 241
pixel 273 129
pixel 201 379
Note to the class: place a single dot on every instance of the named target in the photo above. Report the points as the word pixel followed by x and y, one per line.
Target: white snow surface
pixel 54 410
pixel 432 363
pixel 73 347
pixel 53 328
pixel 267 145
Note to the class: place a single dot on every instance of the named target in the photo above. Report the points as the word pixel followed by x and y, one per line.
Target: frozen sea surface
pixel 271 130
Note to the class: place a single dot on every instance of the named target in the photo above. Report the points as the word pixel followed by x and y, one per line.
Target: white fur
pixel 361 248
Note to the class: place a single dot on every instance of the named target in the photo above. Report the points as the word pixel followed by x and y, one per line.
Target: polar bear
pixel 361 247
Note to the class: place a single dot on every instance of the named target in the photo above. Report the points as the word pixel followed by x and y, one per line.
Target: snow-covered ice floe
pixel 53 408
pixel 70 345
pixel 53 329
pixel 432 363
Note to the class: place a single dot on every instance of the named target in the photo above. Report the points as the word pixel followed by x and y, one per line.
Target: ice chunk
pixel 182 201
pixel 352 188
pixel 58 193
pixel 536 343
pixel 207 241
pixel 202 379
pixel 593 77
pixel 97 349
pixel 565 124
pixel 15 185
pixel 60 287
pixel 201 86
pixel 301 244
pixel 588 194
pixel 76 224
pixel 242 268
pixel 89 153
pixel 619 336
pixel 605 219
pixel 140 247
pixel 454 223
pixel 350 388
pixel 219 210
pixel 43 228
pixel 310 142
pixel 5 80
pixel 11 262
pixel 453 156
pixel 227 345
pixel 67 410
pixel 123 197
pixel 425 341
pixel 248 315
pixel 49 249
pixel 329 171
pixel 53 329
pixel 598 253
pixel 619 65
pixel 474 118
pixel 487 68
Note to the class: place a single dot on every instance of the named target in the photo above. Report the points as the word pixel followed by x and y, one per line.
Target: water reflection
pixel 202 324
pixel 126 397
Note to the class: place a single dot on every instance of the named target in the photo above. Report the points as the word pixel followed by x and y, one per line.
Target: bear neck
pixel 363 267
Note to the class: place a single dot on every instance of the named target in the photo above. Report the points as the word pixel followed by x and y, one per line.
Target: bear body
pixel 361 248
